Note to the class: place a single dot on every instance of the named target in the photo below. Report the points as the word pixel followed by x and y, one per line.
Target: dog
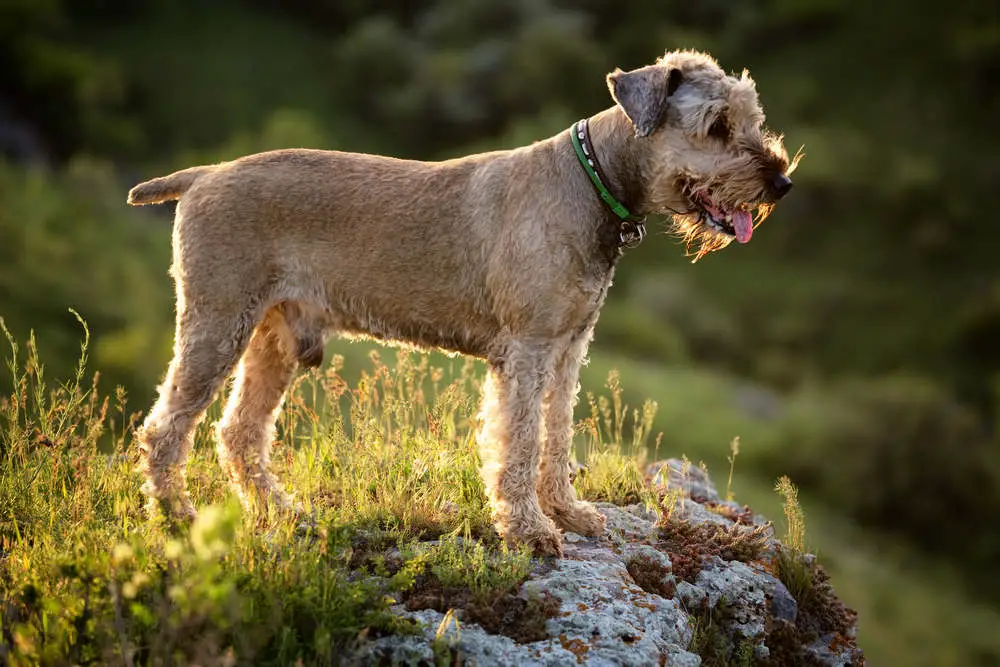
pixel 505 255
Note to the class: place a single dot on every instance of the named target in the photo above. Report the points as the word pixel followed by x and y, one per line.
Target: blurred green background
pixel 854 344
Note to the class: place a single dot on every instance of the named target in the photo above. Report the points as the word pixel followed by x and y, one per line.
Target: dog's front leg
pixel 555 492
pixel 509 444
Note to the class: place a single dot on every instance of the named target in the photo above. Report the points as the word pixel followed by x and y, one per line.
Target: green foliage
pixel 646 336
pixel 123 591
pixel 793 565
pixel 469 566
pixel 215 596
pixel 679 312
pixel 67 242
pixel 78 95
pixel 399 469
pixel 613 461
pixel 711 641
pixel 899 455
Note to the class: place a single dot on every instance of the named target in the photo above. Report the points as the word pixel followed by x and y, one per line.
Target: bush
pixel 900 455
pixel 67 240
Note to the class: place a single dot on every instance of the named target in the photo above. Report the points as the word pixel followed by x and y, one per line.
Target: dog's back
pixel 378 245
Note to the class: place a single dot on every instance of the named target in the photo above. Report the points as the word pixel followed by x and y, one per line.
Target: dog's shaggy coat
pixel 503 255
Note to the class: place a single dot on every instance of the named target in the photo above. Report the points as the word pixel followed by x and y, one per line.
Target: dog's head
pixel 704 154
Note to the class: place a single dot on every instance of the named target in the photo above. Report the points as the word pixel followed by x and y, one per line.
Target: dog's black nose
pixel 781 185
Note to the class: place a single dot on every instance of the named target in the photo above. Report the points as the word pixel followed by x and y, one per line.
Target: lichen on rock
pixel 695 586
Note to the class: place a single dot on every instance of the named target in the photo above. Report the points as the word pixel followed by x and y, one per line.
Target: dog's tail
pixel 166 188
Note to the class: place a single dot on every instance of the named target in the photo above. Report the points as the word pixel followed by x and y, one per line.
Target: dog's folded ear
pixel 642 94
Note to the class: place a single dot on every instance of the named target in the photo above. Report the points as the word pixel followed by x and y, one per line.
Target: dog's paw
pixel 169 500
pixel 177 512
pixel 578 517
pixel 547 544
pixel 542 536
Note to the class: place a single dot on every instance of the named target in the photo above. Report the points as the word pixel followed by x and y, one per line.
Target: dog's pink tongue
pixel 743 225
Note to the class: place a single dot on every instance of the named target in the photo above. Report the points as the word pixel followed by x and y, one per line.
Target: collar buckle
pixel 632 233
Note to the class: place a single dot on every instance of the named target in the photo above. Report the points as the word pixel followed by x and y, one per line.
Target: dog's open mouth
pixel 707 224
pixel 731 222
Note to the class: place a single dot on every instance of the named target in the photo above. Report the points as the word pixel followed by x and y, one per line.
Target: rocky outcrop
pixel 702 585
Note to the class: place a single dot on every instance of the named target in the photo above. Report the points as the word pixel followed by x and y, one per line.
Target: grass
pixel 386 466
pixel 792 565
pixel 387 463
pixel 820 614
pixel 85 578
pixel 734 451
pixel 615 447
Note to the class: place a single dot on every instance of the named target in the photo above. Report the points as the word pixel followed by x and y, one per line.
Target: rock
pixel 471 644
pixel 741 590
pixel 693 512
pixel 626 526
pixel 639 552
pixel 606 617
pixel 829 650
pixel 692 596
pixel 783 605
pixel 638 509
pixel 616 600
pixel 692 480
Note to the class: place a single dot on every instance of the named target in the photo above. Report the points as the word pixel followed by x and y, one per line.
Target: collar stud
pixel 633 229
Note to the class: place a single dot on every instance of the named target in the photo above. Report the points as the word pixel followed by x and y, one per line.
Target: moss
pixel 483 585
pixel 501 612
pixel 691 544
pixel 712 641
pixel 651 576
pixel 820 614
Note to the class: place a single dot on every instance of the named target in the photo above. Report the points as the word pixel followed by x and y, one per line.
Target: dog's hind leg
pixel 247 430
pixel 509 444
pixel 555 491
pixel 207 345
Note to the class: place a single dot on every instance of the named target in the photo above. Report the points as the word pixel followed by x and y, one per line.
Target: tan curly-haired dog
pixel 506 256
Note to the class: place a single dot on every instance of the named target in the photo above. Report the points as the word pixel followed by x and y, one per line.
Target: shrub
pixel 900 455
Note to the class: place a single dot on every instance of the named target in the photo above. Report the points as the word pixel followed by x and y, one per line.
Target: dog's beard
pixel 698 238
pixel 702 236
pixel 717 209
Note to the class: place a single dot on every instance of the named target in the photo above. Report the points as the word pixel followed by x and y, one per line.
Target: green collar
pixel 580 134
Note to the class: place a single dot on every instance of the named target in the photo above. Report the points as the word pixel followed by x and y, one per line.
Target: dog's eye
pixel 719 130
